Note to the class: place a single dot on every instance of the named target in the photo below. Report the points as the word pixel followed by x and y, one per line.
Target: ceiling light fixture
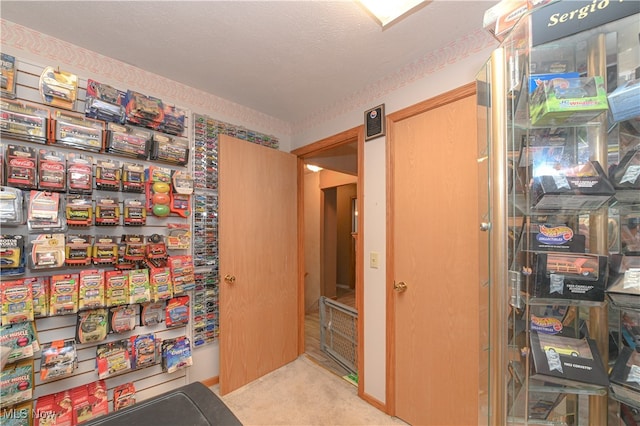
pixel 387 12
pixel 314 168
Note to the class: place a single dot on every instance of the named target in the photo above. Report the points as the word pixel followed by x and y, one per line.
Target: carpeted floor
pixel 303 393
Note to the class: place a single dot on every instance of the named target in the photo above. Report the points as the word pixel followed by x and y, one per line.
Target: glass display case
pixel 559 173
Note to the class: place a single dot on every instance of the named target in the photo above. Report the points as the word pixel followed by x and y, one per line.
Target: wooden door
pixel 258 251
pixel 434 251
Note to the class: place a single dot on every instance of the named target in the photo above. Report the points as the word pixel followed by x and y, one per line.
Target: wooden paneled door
pixel 257 227
pixel 432 294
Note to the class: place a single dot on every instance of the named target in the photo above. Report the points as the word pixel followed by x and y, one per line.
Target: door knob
pixel 230 279
pixel 400 287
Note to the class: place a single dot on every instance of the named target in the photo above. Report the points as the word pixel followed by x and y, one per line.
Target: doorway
pixel 329 210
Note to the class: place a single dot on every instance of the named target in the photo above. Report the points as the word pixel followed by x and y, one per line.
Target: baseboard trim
pixel 211 381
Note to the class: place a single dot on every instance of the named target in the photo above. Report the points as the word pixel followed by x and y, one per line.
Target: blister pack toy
pixel 79 210
pixel 43 212
pixel 80 173
pixel 8 78
pixel 142 110
pixel 128 141
pixel 169 149
pixel 135 247
pixel 51 170
pixel 143 350
pixel 139 286
pixel 59 359
pixel 63 297
pixel 104 102
pixel 105 250
pixel 91 292
pixel 133 177
pixel 179 236
pixel 161 285
pixel 40 292
pixel 24 121
pixel 123 318
pixel 176 354
pixel 22 167
pixel 92 325
pixel 12 256
pixel 76 131
pixel 113 358
pixel 47 251
pixel 16 383
pixel 117 287
pixel 174 119
pixel 107 211
pixel 123 396
pixel 182 273
pixel 152 313
pixel 17 301
pixel 11 206
pixel 78 250
pixel 177 311
pixel 135 213
pixel 108 175
pixel 21 338
pixel 58 88
pixel 182 188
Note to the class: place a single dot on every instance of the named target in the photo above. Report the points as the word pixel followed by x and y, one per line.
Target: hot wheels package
pixel 59 359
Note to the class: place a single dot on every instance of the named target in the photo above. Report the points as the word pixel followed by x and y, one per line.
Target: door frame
pixel 419 108
pixel 355 134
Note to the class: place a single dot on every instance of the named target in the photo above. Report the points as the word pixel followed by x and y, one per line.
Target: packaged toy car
pixel 40 291
pixel 92 325
pixel 143 350
pixel 16 383
pixel 80 173
pixel 108 175
pixel 105 250
pixel 135 213
pixel 128 140
pixel 123 396
pixel 176 354
pixel 107 212
pixel 139 286
pixel 91 292
pixel 12 256
pixel 113 358
pixel 79 210
pixel 117 287
pixel 58 88
pixel 568 276
pixel 47 251
pixel 17 301
pixel 173 123
pixel 123 318
pixel 59 359
pixel 177 311
pixel 24 121
pixel 52 170
pixel 21 338
pixel 576 187
pixel 152 313
pixel 21 167
pixel 104 102
pixel 169 150
pixel 133 177
pixel 78 250
pixel 8 75
pixel 64 294
pixel 11 206
pixel 142 110
pixel 78 132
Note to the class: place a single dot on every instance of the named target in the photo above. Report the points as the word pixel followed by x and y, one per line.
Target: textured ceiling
pixel 286 59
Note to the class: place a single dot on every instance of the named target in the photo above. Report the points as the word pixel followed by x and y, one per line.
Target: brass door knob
pixel 400 287
pixel 230 279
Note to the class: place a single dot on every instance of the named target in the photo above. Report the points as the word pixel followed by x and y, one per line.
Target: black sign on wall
pixel 374 122
pixel 566 18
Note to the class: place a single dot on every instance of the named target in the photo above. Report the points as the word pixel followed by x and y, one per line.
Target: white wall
pixel 448 68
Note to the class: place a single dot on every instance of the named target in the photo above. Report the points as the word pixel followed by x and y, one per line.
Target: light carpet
pixel 303 393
